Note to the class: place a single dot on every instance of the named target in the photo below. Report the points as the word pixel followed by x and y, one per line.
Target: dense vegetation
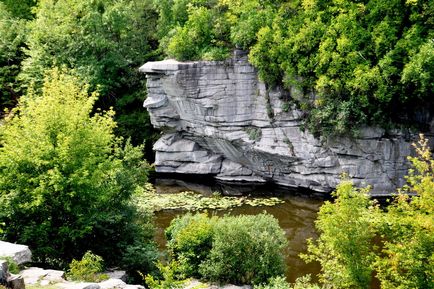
pixel 103 41
pixel 352 62
pixel 68 171
pixel 66 179
pixel 230 249
pixel 396 244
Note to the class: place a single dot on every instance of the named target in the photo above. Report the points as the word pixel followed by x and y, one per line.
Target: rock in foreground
pixel 20 253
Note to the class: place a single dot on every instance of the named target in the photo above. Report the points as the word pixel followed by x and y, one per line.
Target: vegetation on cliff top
pixel 366 62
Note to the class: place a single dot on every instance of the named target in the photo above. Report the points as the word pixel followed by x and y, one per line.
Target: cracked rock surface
pixel 217 118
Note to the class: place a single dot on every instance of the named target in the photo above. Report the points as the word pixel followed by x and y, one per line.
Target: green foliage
pixel 66 180
pixel 190 241
pixel 254 133
pixel 407 256
pixel 168 278
pixel 13 267
pixel 404 232
pixel 88 269
pixel 20 9
pixel 12 37
pixel 148 200
pixel 246 250
pixel 105 42
pixel 344 248
pixel 365 62
pixel 356 57
pixel 231 249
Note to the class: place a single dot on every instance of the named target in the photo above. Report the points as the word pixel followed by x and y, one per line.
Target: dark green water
pixel 296 216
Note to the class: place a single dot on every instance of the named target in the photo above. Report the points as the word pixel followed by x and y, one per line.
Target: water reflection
pixel 296 216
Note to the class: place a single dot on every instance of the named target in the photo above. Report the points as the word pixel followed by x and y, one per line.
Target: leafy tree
pixel 66 180
pixel 12 37
pixel 344 247
pixel 104 42
pixel 407 256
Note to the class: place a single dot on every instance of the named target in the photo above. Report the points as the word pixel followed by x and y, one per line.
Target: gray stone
pixel 33 275
pixel 4 271
pixel 20 253
pixel 117 274
pixel 134 287
pixel 112 284
pixel 16 282
pixel 219 119
pixel 80 285
pixel 92 286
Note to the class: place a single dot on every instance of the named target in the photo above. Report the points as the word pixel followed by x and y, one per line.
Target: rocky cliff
pixel 217 118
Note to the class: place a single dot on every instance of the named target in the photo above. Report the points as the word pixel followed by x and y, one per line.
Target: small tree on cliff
pixel 65 179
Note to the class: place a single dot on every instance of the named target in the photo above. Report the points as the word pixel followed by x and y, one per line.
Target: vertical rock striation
pixel 218 118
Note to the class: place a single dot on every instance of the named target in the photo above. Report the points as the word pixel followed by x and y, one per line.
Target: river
pixel 296 215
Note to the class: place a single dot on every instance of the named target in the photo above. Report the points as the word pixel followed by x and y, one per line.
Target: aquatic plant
pixel 147 199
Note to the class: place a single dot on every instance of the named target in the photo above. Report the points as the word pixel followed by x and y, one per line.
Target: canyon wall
pixel 217 118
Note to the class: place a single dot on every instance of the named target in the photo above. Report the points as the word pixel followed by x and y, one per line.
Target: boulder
pixel 19 253
pixel 112 284
pixel 16 282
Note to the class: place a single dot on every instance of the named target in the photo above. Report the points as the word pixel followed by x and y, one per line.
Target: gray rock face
pixel 20 253
pixel 218 118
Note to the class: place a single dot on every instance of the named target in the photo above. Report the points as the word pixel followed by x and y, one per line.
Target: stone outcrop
pixel 20 253
pixel 217 118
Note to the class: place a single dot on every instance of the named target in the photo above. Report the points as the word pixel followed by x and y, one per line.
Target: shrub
pixel 88 269
pixel 246 250
pixel 66 180
pixel 233 249
pixel 190 241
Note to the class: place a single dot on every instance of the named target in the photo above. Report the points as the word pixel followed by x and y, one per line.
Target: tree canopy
pixel 66 179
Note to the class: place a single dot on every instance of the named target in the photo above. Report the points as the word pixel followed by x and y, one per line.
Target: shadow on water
pixel 296 216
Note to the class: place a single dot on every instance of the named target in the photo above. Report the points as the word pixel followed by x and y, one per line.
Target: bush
pixel 88 269
pixel 66 180
pixel 230 249
pixel 190 241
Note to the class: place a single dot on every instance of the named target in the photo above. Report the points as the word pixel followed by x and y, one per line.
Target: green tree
pixel 12 38
pixel 344 247
pixel 66 180
pixel 105 42
pixel 407 256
